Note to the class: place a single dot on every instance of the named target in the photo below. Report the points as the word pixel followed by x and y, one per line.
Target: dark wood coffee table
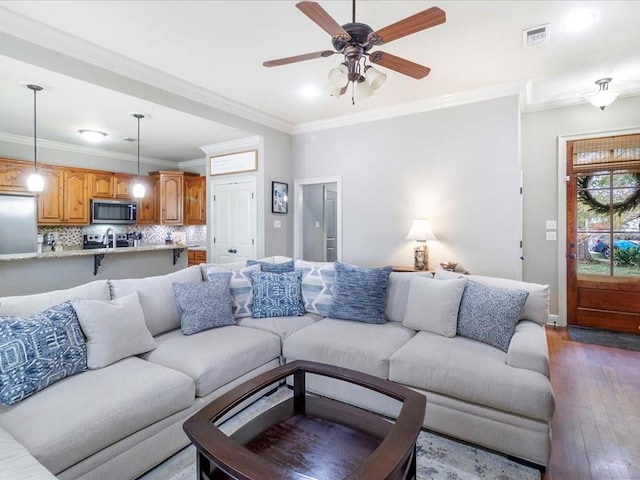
pixel 307 436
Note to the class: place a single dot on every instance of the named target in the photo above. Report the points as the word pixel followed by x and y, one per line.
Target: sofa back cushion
pixel 536 308
pixel 398 294
pixel 27 305
pixel 156 295
pixel 240 285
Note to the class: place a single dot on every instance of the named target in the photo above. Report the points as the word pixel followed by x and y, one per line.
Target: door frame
pixel 299 209
pixel 562 210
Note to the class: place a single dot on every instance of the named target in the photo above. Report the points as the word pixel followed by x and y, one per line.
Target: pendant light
pixel 35 182
pixel 138 188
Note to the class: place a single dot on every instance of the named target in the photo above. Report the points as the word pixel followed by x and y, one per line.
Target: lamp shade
pixel 35 182
pixel 138 190
pixel 375 78
pixel 339 76
pixel 602 99
pixel 420 231
pixel 362 89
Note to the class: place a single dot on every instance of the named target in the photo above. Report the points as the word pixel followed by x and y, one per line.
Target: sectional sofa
pixel 151 362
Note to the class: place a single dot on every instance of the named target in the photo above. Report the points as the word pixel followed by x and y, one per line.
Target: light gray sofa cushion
pixel 528 348
pixel 86 413
pixel 433 305
pixel 114 329
pixel 17 463
pixel 215 357
pixel 27 305
pixel 360 346
pixel 281 326
pixel 471 371
pixel 158 301
pixel 398 294
pixel 536 308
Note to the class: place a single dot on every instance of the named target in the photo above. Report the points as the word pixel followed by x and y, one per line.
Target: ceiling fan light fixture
pixel 362 89
pixel 332 90
pixel 603 97
pixel 339 76
pixel 375 78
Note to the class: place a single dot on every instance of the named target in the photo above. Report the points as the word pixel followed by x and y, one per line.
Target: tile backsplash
pixel 71 237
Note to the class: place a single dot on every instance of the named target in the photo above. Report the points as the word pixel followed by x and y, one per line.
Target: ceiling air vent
pixel 128 139
pixel 534 37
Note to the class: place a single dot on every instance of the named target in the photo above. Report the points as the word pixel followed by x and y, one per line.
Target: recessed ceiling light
pixel 93 135
pixel 309 92
pixel 579 21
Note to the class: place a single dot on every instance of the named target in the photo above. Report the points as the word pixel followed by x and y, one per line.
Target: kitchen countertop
pixel 80 252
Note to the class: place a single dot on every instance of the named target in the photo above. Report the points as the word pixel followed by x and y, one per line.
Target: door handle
pixel 573 255
pixel 232 250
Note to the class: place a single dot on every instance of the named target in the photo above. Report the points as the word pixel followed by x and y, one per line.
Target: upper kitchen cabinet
pixel 149 206
pixel 171 195
pixel 111 185
pixel 14 175
pixel 65 198
pixel 195 201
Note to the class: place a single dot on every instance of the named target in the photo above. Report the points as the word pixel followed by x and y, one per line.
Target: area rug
pixel 627 341
pixel 438 458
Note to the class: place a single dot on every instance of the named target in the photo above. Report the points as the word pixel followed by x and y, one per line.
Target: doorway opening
pixel 317 228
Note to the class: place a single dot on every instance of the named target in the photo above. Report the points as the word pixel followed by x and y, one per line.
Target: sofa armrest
pixel 528 348
pixel 17 462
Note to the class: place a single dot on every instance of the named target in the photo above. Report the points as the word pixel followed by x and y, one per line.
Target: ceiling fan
pixel 354 40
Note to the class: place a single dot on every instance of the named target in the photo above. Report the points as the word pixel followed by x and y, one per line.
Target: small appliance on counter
pixel 96 240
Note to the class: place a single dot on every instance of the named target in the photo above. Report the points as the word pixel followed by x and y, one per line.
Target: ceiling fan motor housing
pixel 359 33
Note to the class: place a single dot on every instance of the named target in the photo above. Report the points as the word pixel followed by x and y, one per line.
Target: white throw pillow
pixel 115 329
pixel 433 306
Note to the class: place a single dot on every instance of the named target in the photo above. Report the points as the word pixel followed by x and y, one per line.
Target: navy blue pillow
pixel 360 293
pixel 277 294
pixel 273 267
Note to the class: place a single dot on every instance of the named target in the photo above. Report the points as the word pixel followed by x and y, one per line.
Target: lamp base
pixel 421 257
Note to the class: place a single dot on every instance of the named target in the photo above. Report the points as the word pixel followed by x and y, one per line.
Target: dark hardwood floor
pixel 596 426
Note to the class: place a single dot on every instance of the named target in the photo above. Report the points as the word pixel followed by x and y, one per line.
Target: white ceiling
pixel 217 48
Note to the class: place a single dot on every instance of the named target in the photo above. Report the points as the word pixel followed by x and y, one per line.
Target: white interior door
pixel 234 221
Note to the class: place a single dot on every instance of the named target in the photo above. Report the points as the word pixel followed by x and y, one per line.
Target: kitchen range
pixel 105 240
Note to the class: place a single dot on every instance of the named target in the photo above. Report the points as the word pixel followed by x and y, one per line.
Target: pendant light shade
pixel 35 182
pixel 603 97
pixel 138 188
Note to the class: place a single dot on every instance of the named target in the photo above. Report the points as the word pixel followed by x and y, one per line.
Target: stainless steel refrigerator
pixel 18 224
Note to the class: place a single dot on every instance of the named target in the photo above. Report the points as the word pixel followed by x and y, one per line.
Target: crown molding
pixel 196 162
pixel 48 37
pixel 67 147
pixel 447 101
pixel 232 145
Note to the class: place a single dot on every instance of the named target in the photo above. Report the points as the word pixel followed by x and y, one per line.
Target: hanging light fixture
pixel 92 135
pixel 364 78
pixel 603 97
pixel 35 182
pixel 138 188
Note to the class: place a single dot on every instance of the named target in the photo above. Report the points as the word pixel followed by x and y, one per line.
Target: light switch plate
pixel 277 223
pixel 551 236
pixel 552 225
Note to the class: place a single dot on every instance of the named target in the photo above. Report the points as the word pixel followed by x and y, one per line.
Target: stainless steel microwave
pixel 113 211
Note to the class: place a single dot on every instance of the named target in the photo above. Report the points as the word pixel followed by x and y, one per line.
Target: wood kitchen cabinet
pixel 111 185
pixel 195 201
pixel 65 198
pixel 171 195
pixel 14 175
pixel 148 212
pixel 196 257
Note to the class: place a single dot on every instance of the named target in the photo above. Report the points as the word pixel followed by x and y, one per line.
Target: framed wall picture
pixel 279 197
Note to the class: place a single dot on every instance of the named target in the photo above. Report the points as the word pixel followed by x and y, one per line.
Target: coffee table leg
pixel 413 468
pixel 203 466
pixel 299 392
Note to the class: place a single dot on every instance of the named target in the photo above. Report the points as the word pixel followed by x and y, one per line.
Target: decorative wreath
pixel 618 207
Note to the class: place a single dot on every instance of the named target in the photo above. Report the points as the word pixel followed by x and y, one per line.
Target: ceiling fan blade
pixel 420 21
pixel 298 58
pixel 319 15
pixel 398 64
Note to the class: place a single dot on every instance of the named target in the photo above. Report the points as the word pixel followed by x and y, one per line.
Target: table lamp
pixel 421 232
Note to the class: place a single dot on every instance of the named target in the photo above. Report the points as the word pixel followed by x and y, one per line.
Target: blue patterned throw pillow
pixel 360 293
pixel 241 291
pixel 272 267
pixel 277 294
pixel 205 305
pixel 318 279
pixel 38 351
pixel 490 314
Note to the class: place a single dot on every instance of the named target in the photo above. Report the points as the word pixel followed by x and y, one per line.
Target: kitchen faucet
pixel 106 238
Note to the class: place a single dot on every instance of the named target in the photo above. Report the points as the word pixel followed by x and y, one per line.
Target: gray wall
pixel 313 237
pixel 457 166
pixel 540 133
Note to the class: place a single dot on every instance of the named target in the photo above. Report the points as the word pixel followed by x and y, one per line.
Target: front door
pixel 603 233
pixel 234 222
